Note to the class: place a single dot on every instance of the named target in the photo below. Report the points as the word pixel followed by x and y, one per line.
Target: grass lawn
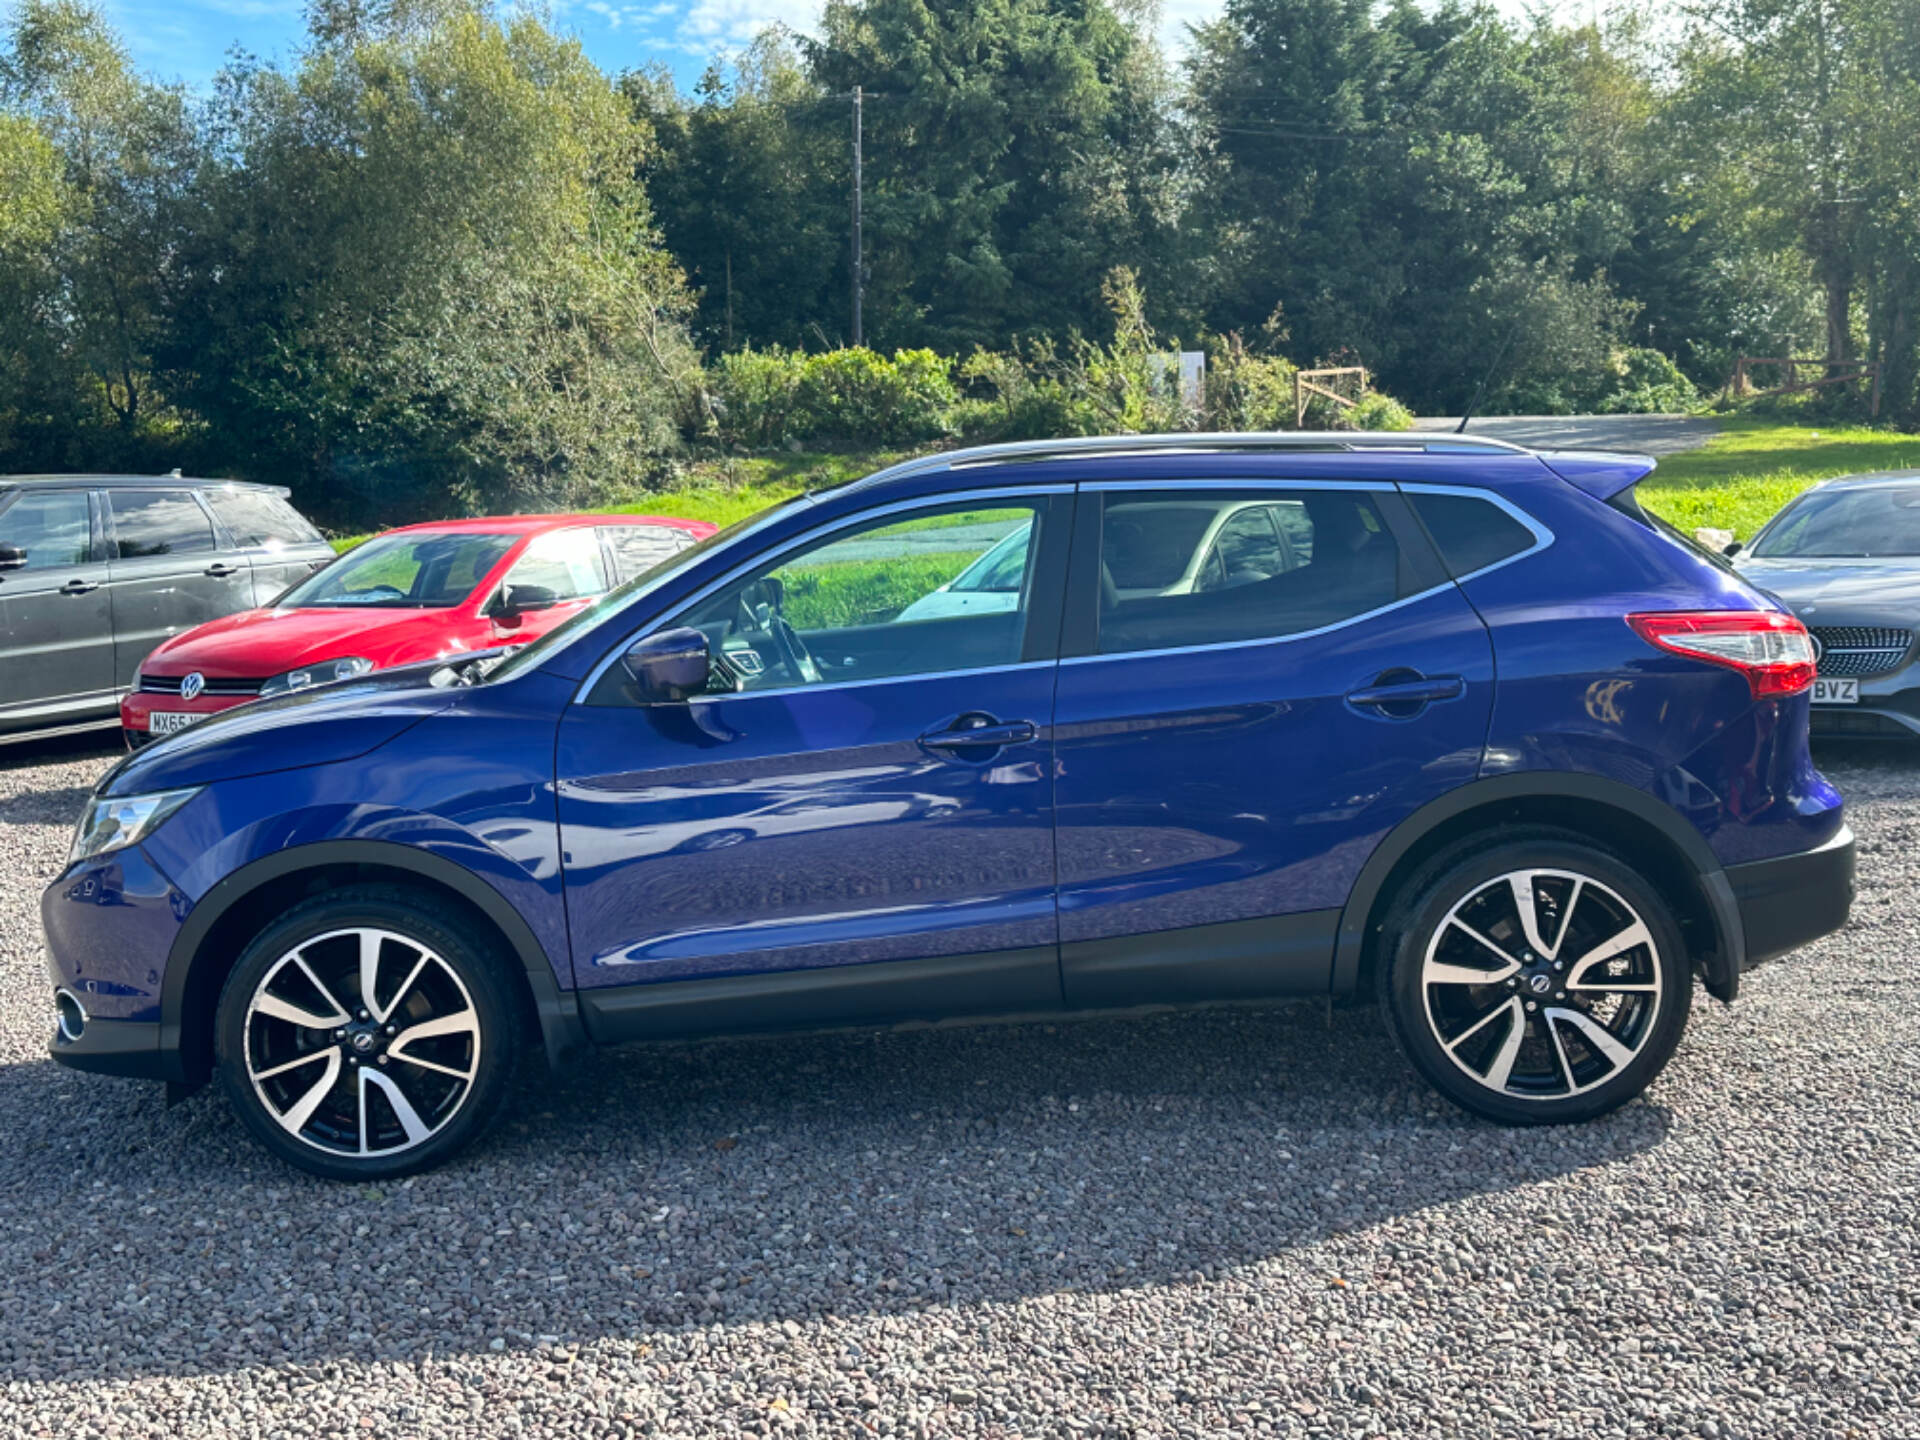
pixel 1753 467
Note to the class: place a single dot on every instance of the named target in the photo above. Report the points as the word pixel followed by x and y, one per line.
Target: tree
pixel 1016 151
pixel 424 268
pixel 99 158
pixel 750 182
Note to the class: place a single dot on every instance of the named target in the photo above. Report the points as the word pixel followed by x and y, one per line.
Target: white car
pixel 1174 548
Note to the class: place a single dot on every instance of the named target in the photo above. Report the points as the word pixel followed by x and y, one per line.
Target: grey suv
pixel 96 570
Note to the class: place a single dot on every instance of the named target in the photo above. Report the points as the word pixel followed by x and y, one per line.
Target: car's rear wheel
pixel 1535 979
pixel 367 1034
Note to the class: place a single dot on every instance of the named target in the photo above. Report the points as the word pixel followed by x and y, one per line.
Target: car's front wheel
pixel 367 1034
pixel 1535 979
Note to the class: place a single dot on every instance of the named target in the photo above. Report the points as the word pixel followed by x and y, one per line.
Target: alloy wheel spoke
pixel 1509 964
pixel 1528 904
pixel 405 986
pixel 416 1129
pixel 433 1065
pixel 1439 972
pixel 275 1008
pixel 1634 934
pixel 1566 918
pixel 325 993
pixel 461 1022
pixel 1501 1070
pixel 294 1118
pixel 370 943
pixel 1560 1053
pixel 284 1066
pixel 1510 1007
pixel 1597 1036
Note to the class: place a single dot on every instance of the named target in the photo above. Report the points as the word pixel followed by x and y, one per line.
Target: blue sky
pixel 188 39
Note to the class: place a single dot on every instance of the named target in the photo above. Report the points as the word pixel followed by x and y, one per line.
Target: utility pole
pixel 859 277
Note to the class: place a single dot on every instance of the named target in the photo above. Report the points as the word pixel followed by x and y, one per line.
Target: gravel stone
pixel 1228 1224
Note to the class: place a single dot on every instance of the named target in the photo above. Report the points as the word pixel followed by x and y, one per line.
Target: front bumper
pixel 1793 900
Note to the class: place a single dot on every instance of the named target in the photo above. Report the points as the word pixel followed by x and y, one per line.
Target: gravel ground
pixel 1226 1224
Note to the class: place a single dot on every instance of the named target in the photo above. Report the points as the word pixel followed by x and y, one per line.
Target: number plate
pixel 165 722
pixel 1836 692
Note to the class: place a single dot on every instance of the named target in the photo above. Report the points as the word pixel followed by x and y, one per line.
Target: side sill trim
pixel 887 991
pixel 1264 958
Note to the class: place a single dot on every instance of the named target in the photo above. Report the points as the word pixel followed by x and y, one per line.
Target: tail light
pixel 1773 650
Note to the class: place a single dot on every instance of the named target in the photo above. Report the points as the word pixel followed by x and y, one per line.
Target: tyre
pixel 1535 979
pixel 368 1033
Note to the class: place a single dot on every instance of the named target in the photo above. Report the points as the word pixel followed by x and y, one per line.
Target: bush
pixel 1379 412
pixel 1010 401
pixel 1245 391
pixel 1647 383
pixel 846 397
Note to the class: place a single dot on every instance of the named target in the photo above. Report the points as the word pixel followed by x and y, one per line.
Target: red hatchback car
pixel 411 594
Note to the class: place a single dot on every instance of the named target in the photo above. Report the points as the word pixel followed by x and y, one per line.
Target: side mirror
pixel 12 557
pixel 519 599
pixel 1732 547
pixel 669 666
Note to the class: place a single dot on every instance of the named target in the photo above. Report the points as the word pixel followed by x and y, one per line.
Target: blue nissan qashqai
pixel 1019 731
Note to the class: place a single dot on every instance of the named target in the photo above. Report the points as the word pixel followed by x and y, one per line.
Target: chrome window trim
pixel 826 685
pixel 1008 493
pixel 1543 538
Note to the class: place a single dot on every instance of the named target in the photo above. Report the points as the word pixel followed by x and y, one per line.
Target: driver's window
pixel 935 591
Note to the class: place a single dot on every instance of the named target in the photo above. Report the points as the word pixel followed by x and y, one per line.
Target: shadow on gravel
pixel 741 1182
pixel 45 807
pixel 59 749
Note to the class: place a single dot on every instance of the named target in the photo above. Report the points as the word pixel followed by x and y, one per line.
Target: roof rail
pixel 1087 447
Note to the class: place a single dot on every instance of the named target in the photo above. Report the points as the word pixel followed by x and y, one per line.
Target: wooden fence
pixel 1846 372
pixel 1304 386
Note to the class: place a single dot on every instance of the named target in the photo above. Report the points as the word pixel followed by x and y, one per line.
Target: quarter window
pixel 939 591
pixel 1191 567
pixel 51 529
pixel 638 548
pixel 147 523
pixel 259 517
pixel 1471 533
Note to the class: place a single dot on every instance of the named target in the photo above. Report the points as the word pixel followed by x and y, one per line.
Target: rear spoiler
pixel 1601 473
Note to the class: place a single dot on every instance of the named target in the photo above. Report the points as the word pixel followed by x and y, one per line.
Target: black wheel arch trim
pixel 1722 967
pixel 556 1009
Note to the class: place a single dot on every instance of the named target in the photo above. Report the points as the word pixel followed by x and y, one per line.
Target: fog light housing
pixel 72 1015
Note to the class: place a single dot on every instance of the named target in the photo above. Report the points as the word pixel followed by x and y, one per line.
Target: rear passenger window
pixel 1471 533
pixel 259 517
pixel 159 522
pixel 1188 567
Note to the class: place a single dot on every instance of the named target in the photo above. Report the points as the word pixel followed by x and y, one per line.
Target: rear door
pixel 1227 758
pixel 280 546
pixel 168 571
pixel 56 629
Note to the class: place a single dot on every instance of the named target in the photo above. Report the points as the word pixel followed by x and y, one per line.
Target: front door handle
pixel 220 569
pixel 980 732
pixel 79 587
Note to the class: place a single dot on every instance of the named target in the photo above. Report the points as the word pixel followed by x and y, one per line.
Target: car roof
pixel 1870 480
pixel 1441 457
pixel 540 524
pixel 143 482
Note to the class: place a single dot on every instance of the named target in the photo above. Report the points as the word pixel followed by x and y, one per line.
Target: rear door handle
pixel 79 587
pixel 220 569
pixel 1421 691
pixel 990 735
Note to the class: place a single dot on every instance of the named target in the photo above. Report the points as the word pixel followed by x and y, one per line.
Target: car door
pixel 169 571
pixel 56 628
pixel 280 546
pixel 1227 758
pixel 857 823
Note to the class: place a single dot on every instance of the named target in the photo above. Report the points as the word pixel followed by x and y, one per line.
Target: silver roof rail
pixel 1087 447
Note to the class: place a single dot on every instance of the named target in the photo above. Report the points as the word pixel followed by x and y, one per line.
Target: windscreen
pixel 1846 524
pixel 406 570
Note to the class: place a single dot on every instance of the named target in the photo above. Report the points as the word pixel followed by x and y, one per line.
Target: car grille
pixel 1861 649
pixel 216 685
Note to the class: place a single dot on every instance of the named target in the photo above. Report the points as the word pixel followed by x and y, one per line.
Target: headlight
pixel 116 824
pixel 321 674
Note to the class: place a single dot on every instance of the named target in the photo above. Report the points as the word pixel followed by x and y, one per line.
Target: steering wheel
pixel 393 590
pixel 793 650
